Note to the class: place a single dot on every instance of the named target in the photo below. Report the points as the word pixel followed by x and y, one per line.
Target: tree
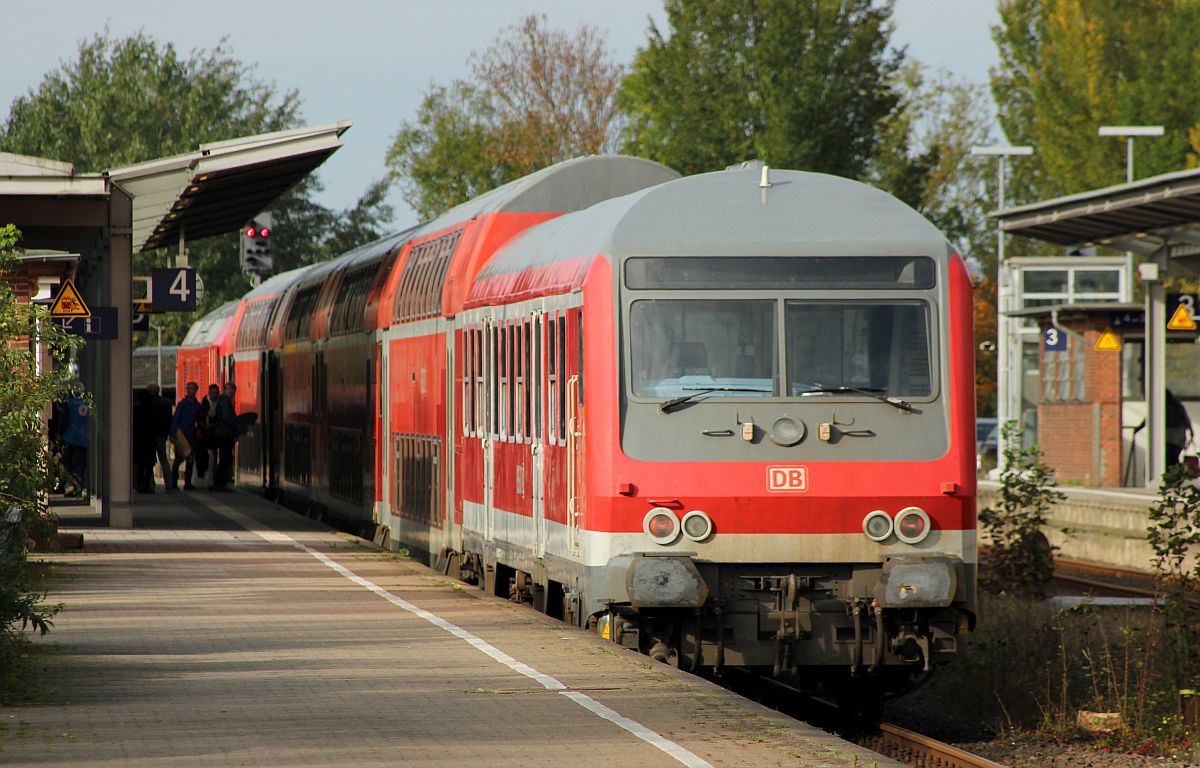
pixel 123 101
pixel 802 84
pixel 1069 66
pixel 26 469
pixel 535 97
pixel 924 157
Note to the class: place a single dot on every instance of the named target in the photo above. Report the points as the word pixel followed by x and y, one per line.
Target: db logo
pixel 787 479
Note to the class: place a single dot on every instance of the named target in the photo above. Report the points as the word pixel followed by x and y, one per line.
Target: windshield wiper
pixel 675 402
pixel 903 405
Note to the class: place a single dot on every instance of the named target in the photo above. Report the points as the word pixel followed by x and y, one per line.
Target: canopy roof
pixel 221 185
pixel 1142 216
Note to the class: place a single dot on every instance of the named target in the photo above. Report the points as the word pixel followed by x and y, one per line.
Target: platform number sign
pixel 1054 340
pixel 173 289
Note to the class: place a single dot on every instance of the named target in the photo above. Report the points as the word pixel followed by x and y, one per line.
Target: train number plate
pixel 787 479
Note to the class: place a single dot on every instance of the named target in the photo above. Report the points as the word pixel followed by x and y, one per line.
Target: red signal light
pixel 250 231
pixel 264 232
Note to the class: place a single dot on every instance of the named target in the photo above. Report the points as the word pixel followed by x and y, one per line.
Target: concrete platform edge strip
pixel 587 702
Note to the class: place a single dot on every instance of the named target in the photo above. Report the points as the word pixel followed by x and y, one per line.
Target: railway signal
pixel 255 239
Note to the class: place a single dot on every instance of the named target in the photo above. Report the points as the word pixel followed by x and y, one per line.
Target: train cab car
pixel 728 419
pixel 200 357
pixel 251 371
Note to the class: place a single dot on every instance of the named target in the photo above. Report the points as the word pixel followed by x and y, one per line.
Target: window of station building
pixel 1045 286
pixel 1063 373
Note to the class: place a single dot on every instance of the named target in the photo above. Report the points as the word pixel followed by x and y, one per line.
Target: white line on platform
pixel 546 681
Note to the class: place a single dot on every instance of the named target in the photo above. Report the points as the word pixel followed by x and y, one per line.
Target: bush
pixel 1020 561
pixel 27 469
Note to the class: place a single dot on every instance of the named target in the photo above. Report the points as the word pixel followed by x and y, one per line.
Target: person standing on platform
pixel 76 432
pixel 160 407
pixel 205 458
pixel 143 431
pixel 225 432
pixel 183 432
pixel 1179 429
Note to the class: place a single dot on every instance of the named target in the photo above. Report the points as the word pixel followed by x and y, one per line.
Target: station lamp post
pixel 1130 132
pixel 1154 379
pixel 1008 364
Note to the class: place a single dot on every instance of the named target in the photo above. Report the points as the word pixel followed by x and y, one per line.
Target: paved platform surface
pixel 225 631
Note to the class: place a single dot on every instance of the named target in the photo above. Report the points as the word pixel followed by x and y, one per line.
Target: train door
pixel 382 428
pixel 571 355
pixel 273 413
pixel 533 378
pixel 492 431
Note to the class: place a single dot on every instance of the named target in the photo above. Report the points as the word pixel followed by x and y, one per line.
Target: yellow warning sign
pixel 1182 320
pixel 1108 341
pixel 68 302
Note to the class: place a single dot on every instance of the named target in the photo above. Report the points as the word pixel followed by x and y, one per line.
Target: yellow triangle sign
pixel 68 302
pixel 1108 342
pixel 1182 320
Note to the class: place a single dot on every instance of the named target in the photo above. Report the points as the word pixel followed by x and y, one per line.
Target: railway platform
pixel 222 630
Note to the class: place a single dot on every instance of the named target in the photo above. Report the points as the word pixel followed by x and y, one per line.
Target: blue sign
pixel 1054 340
pixel 1126 319
pixel 173 289
pixel 101 326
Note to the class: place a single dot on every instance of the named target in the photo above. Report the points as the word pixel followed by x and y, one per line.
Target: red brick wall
pixel 1066 429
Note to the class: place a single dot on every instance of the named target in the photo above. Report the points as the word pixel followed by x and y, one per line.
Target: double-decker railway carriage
pixel 726 419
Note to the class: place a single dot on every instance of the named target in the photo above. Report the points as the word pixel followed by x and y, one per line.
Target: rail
pixel 917 750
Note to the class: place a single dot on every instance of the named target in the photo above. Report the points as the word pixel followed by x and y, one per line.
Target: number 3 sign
pixel 174 289
pixel 1054 340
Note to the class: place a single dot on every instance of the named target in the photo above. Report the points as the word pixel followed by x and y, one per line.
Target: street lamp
pixel 1001 153
pixel 1129 132
pixel 1007 364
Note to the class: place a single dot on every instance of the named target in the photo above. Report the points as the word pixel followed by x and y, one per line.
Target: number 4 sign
pixel 174 289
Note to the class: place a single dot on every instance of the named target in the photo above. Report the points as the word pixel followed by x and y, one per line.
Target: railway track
pixel 1103 578
pixel 921 751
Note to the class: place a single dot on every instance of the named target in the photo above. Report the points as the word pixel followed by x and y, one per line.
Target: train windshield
pixel 731 348
pixel 720 347
pixel 878 347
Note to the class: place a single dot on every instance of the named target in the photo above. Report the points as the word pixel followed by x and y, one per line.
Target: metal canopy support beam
pixel 117 510
pixel 1155 379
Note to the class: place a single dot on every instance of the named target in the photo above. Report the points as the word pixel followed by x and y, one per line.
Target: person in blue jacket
pixel 225 433
pixel 187 413
pixel 75 436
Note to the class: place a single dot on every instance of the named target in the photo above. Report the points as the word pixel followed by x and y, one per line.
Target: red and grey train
pixel 726 419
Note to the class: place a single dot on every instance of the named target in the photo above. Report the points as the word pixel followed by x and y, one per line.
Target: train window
pixel 423 278
pixel 493 396
pixel 518 382
pixel 562 379
pixel 535 375
pixel 579 344
pixel 552 379
pixel 480 422
pixel 510 393
pixel 877 346
pixel 503 379
pixel 468 384
pixel 781 273
pixel 527 370
pixel 684 346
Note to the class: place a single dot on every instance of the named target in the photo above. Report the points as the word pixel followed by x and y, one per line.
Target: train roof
pixel 279 283
pixel 571 185
pixel 727 213
pixel 205 330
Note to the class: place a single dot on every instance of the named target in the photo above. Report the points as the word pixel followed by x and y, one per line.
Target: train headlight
pixel 697 526
pixel 912 525
pixel 661 525
pixel 877 525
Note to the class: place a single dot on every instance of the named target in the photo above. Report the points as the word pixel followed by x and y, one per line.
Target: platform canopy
pixel 220 186
pixel 1142 216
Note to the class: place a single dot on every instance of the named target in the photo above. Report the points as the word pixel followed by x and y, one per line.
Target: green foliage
pixel 123 101
pixel 802 84
pixel 1069 66
pixel 1020 560
pixel 925 158
pixel 535 97
pixel 26 467
pixel 1174 535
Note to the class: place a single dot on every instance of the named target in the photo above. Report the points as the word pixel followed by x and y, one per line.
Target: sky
pixel 370 61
